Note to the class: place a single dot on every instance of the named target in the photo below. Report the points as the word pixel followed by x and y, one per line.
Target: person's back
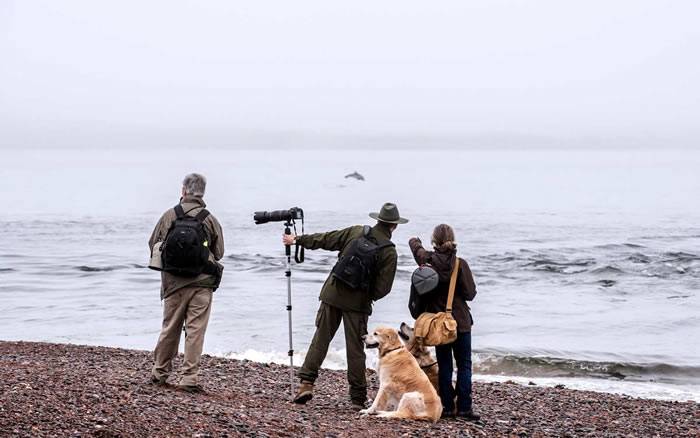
pixel 191 206
pixel 377 258
pixel 443 260
pixel 338 293
pixel 187 297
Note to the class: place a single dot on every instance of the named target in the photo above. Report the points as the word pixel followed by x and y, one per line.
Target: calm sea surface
pixel 587 263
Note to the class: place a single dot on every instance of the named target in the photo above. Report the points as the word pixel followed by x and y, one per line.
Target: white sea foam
pixel 652 390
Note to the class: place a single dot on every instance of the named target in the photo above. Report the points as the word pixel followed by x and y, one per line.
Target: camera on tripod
pixel 291 215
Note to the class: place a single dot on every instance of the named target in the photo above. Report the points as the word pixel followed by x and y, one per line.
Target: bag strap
pixel 201 215
pixel 179 212
pixel 366 233
pixel 385 245
pixel 453 284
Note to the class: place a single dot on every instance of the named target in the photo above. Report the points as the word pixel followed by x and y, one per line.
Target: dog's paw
pixel 366 412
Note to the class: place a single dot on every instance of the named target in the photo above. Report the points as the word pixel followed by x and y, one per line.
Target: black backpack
pixel 355 267
pixel 186 247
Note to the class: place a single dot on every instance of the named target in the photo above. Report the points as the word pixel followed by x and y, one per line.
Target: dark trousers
pixel 462 349
pixel 327 322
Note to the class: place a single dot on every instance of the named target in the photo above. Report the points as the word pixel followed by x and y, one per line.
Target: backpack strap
pixel 367 229
pixel 202 215
pixel 453 284
pixel 179 212
pixel 385 244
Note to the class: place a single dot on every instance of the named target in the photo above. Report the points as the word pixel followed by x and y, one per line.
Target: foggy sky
pixel 361 73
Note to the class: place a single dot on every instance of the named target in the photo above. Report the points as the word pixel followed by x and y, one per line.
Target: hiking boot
pixel 358 404
pixel 192 389
pixel 304 393
pixel 469 415
pixel 447 415
pixel 159 381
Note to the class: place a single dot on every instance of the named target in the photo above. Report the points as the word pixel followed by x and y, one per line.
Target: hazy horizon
pixel 396 74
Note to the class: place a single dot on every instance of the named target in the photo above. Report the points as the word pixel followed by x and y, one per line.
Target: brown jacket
pixel 465 290
pixel 192 205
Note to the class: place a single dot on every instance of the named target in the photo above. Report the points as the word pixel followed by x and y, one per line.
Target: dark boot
pixel 192 389
pixel 159 381
pixel 447 414
pixel 469 415
pixel 304 393
pixel 358 404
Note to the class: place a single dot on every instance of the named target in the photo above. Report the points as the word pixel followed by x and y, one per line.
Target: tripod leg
pixel 291 348
pixel 288 273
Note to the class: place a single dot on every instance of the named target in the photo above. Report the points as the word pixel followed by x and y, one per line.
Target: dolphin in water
pixel 355 175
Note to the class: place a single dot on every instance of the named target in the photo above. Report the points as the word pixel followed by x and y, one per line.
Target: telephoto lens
pixel 263 217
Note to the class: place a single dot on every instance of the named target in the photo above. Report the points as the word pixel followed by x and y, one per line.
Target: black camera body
pixel 291 215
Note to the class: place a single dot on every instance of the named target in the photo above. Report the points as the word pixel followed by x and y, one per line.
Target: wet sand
pixel 68 390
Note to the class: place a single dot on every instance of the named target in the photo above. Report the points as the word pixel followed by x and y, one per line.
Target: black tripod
pixel 288 273
pixel 299 258
pixel 289 217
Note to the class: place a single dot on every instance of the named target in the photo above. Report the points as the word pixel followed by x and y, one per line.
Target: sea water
pixel 587 262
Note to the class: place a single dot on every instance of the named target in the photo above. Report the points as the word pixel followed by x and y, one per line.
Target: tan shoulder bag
pixel 439 328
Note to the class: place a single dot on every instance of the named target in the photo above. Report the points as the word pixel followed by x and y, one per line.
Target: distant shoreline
pixel 58 389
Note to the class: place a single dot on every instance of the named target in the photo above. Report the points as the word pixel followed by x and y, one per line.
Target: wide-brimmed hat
pixel 389 214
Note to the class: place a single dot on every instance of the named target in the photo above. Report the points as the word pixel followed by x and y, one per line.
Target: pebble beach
pixel 70 390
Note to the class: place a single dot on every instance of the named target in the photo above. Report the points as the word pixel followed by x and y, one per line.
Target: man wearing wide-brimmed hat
pixel 352 306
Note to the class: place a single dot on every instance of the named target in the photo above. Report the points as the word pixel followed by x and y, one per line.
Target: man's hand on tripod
pixel 288 239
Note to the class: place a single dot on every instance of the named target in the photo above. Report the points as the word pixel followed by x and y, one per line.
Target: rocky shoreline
pixel 69 390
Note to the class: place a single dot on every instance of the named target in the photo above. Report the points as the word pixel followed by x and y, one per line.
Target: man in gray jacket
pixel 186 300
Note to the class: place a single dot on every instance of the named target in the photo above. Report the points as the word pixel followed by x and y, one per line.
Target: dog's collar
pixel 425 367
pixel 389 351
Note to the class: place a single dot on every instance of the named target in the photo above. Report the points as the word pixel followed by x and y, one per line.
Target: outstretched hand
pixel 288 239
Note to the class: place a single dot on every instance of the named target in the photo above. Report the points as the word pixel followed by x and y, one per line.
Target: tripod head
pixel 290 218
pixel 298 249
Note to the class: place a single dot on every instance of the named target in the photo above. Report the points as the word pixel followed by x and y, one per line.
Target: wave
pixel 497 363
pixel 615 259
pixel 608 269
pixel 626 245
pixel 680 257
pixel 109 268
pixel 543 366
pixel 612 259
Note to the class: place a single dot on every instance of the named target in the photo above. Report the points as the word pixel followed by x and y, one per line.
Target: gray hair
pixel 194 184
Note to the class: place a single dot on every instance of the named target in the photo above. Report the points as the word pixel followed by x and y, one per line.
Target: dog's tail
pixel 406 416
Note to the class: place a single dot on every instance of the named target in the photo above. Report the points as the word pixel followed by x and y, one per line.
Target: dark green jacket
pixel 338 294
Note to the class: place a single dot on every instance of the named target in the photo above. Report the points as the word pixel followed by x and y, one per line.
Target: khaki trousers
pixel 328 320
pixel 189 306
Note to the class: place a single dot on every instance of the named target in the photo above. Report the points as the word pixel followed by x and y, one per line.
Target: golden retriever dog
pixel 404 389
pixel 423 356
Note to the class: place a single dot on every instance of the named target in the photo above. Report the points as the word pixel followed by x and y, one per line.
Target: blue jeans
pixel 462 348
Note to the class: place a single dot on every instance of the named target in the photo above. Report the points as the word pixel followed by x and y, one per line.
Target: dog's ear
pixel 392 338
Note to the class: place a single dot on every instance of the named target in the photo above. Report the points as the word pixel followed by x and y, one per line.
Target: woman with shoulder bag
pixel 442 259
